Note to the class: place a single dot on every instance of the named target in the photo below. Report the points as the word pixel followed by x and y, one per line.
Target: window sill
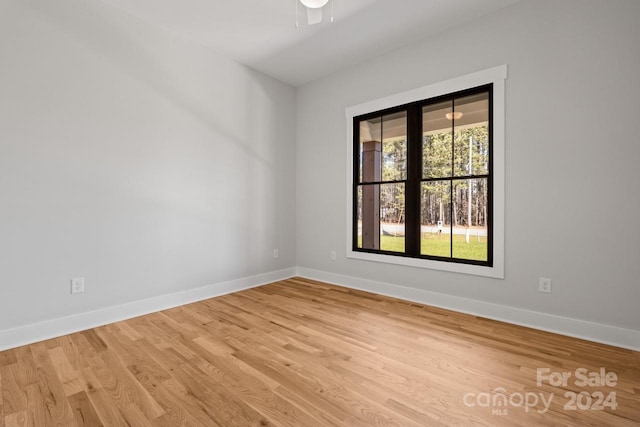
pixel 497 271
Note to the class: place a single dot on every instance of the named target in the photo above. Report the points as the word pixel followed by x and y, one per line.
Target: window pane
pixel 392 229
pixel 369 216
pixel 470 227
pixel 436 140
pixel 435 208
pixel 394 147
pixel 371 150
pixel 381 217
pixel 471 135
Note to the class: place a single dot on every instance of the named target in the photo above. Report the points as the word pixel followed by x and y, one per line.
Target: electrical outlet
pixel 276 253
pixel 545 285
pixel 333 255
pixel 77 285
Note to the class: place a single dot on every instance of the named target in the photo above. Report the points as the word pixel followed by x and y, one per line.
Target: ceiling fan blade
pixel 314 16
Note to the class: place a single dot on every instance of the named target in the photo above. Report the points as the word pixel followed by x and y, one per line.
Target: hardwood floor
pixel 304 353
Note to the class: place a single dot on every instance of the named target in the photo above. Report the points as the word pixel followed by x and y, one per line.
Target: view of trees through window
pixel 424 190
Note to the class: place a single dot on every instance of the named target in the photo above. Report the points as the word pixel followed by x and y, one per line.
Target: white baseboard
pixel 605 334
pixel 27 334
pixel 611 335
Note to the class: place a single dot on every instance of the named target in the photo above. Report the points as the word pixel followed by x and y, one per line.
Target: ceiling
pixel 262 33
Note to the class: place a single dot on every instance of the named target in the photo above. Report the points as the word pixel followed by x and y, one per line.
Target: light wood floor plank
pixel 19 419
pixel 305 353
pixel 51 388
pixel 83 410
pixel 14 399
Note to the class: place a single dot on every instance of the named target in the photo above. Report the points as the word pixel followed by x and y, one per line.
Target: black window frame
pixel 414 177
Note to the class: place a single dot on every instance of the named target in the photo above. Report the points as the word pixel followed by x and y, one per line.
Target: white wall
pixel 145 164
pixel 572 157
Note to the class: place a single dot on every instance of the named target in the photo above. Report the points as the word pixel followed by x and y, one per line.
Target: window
pixel 423 190
pixel 424 178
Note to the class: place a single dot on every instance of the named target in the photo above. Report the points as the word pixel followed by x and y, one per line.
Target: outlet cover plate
pixel 77 285
pixel 545 285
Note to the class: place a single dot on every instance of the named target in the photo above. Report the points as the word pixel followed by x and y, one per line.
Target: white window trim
pixel 497 76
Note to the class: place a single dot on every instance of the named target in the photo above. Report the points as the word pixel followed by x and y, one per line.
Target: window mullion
pixel 414 173
pixel 453 174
